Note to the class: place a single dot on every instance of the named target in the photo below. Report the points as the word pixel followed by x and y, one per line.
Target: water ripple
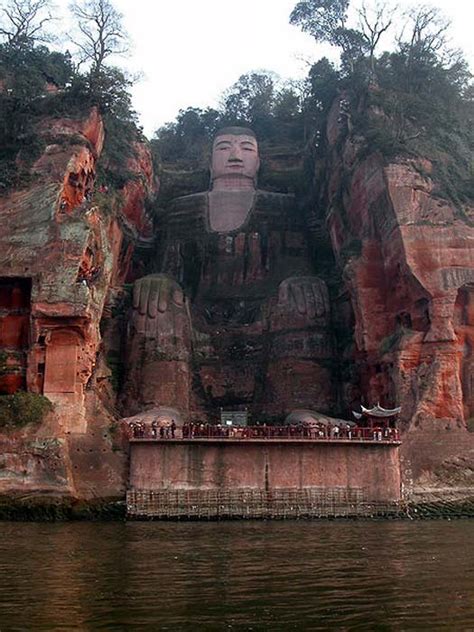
pixel 237 576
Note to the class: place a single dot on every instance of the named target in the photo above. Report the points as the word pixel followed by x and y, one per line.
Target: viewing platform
pixel 209 471
pixel 266 434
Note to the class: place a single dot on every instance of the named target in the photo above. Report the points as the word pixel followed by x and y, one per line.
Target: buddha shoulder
pixel 186 210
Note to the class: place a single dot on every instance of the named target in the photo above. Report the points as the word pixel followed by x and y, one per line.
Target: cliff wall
pixel 395 254
pixel 66 246
pixel 405 253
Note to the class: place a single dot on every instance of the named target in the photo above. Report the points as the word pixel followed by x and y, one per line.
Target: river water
pixel 237 576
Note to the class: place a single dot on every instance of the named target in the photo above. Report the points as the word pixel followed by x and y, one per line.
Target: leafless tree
pixel 425 31
pixel 100 31
pixel 373 23
pixel 26 21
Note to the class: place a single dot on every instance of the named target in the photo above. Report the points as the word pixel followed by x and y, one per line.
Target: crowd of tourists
pixel 297 431
pixel 157 430
pixel 320 431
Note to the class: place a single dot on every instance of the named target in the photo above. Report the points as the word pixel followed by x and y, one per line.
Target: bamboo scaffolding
pixel 212 504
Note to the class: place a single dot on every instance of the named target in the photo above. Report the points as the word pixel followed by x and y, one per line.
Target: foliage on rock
pixel 36 82
pixel 22 409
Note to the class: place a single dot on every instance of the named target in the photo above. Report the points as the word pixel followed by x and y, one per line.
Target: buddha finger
pixel 136 294
pixel 178 297
pixel 321 300
pixel 139 322
pixel 164 289
pixel 283 297
pixel 144 294
pixel 180 325
pixel 311 300
pixel 153 298
pixel 150 326
pixel 299 298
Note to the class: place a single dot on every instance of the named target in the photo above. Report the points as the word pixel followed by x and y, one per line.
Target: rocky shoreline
pixel 434 505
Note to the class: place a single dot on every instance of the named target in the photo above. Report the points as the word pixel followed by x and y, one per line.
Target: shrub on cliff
pixel 21 409
pixel 109 90
pixel 26 72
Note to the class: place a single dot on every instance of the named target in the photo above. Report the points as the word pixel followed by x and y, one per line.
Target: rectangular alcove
pixel 15 309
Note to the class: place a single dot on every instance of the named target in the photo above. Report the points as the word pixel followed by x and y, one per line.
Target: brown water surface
pixel 237 576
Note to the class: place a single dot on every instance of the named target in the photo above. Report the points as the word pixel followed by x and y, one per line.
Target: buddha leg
pixel 298 373
pixel 159 346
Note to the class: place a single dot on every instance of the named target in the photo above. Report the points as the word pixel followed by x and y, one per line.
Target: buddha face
pixel 235 156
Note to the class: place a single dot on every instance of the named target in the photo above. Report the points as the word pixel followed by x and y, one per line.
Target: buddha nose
pixel 235 154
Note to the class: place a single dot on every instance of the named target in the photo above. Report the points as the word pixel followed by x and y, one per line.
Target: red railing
pixel 315 433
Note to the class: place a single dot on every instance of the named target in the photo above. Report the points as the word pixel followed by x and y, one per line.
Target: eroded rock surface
pixel 63 251
pixel 407 259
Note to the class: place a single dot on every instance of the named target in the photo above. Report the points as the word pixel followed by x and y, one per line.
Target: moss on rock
pixel 22 409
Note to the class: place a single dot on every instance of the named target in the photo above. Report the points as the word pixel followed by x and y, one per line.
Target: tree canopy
pixel 414 100
pixel 36 81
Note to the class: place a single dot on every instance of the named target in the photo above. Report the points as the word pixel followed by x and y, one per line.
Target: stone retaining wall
pixel 211 479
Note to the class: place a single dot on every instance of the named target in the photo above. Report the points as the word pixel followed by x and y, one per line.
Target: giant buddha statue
pixel 235 316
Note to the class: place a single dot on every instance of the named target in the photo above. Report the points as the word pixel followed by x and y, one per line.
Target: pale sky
pixel 189 51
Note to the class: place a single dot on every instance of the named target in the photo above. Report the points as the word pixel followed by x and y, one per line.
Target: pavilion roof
pixel 379 411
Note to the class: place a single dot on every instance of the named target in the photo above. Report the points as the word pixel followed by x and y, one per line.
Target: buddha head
pixel 235 159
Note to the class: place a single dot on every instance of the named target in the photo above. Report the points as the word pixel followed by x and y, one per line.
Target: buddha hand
pixel 157 300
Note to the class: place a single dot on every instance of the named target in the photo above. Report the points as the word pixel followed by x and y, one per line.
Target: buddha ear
pixel 256 171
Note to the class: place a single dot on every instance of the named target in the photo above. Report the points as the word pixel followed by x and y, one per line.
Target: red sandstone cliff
pixel 65 246
pixel 407 259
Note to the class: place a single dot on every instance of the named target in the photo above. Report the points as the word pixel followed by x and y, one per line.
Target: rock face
pixel 61 253
pixel 407 260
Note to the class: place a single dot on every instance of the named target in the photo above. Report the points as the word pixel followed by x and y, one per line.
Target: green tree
pixel 323 80
pixel 250 101
pixel 109 90
pixel 25 71
pixel 326 21
pixel 188 137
